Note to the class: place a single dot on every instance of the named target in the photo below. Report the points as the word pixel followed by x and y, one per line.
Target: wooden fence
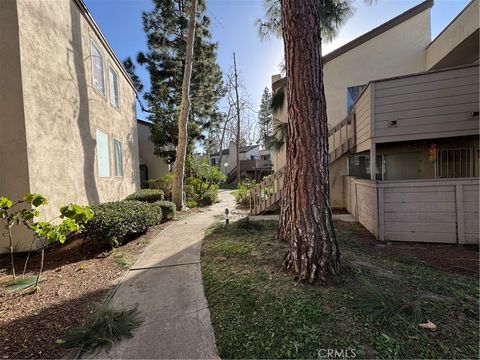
pixel 437 210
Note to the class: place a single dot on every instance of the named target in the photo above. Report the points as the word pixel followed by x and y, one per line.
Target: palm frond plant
pixel 381 305
pixel 103 329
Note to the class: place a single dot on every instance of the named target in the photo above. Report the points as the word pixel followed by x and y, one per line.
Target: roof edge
pixel 410 13
pixel 144 122
pixel 451 22
pixel 88 16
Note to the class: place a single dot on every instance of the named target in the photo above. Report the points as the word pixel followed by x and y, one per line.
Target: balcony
pixel 429 105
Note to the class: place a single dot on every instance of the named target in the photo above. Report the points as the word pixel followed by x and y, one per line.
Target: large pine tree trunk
pixel 179 172
pixel 306 218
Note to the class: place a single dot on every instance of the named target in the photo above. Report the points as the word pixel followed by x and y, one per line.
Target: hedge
pixel 147 195
pixel 169 210
pixel 114 221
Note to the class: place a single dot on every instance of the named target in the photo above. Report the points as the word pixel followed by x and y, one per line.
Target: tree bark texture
pixel 179 171
pixel 237 148
pixel 306 217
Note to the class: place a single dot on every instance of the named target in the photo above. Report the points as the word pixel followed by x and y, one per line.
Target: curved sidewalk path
pixel 166 284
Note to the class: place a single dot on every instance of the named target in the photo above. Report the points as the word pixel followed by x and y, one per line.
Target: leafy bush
pixel 147 195
pixel 191 203
pixel 209 197
pixel 169 210
pixel 242 194
pixel 206 173
pixel 165 184
pixel 201 189
pixel 114 221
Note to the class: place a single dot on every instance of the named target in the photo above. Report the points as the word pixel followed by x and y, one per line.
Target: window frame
pixel 470 168
pixel 115 158
pixel 94 44
pixel 108 154
pixel 111 69
pixel 363 86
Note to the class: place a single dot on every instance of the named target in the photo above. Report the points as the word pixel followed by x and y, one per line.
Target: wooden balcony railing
pixel 341 138
pixel 266 193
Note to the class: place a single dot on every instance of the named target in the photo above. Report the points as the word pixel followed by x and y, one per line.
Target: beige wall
pixel 429 105
pixel 14 179
pixel 360 199
pixel 157 168
pixel 63 110
pixel 398 51
pixel 338 169
pixel 437 211
pixel 458 31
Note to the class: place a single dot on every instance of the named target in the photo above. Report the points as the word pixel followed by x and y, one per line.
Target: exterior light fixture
pixel 227 220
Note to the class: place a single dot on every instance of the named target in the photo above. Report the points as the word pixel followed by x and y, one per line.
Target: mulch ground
pixel 456 259
pixel 77 279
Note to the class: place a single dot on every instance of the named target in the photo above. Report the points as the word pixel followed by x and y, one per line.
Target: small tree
pixel 12 217
pixel 72 219
pixel 265 117
pixel 179 171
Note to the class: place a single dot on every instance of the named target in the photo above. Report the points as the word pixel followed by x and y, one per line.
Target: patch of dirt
pixel 456 259
pixel 77 279
pixel 377 270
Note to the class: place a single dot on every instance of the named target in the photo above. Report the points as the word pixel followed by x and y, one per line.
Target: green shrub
pixel 114 221
pixel 169 210
pixel 242 194
pixel 209 197
pixel 147 195
pixel 165 184
pixel 191 203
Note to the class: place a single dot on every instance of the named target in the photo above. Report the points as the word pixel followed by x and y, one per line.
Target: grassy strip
pixel 259 312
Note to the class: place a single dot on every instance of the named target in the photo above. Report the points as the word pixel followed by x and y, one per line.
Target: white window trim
pixel 115 159
pixel 104 93
pixel 110 68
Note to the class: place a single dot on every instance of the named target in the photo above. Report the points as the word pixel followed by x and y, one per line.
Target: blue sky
pixel 233 27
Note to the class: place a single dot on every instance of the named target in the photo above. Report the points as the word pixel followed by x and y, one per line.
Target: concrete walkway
pixel 166 284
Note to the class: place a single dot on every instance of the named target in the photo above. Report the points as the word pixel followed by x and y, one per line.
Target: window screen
pixel 103 154
pixel 97 69
pixel 114 91
pixel 117 151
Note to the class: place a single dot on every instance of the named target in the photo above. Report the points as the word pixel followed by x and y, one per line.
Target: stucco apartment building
pixel 152 167
pixel 68 126
pixel 411 103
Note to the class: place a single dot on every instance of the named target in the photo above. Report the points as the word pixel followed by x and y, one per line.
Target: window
pixel 117 153
pixel 352 96
pixel 454 163
pixel 359 166
pixel 97 69
pixel 103 154
pixel 114 91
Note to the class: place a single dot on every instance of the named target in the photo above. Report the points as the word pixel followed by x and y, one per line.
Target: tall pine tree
pixel 265 117
pixel 166 29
